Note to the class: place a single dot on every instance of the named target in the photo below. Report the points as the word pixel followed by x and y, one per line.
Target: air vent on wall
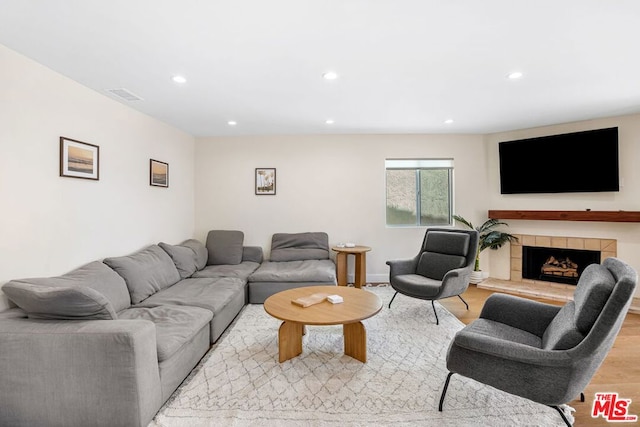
pixel 124 94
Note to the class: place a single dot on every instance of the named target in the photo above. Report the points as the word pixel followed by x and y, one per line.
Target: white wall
pixel 52 224
pixel 628 198
pixel 334 184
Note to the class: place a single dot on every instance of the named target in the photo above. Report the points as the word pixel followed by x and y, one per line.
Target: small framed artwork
pixel 79 159
pixel 158 173
pixel 265 181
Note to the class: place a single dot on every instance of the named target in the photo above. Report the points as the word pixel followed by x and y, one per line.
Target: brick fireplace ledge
pixel 546 290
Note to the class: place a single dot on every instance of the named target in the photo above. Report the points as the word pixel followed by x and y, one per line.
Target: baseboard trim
pixel 372 278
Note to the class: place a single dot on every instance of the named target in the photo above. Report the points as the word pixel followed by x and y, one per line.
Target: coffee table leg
pixel 355 341
pixel 289 340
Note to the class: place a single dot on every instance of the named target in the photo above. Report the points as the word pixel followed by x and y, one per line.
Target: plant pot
pixel 476 277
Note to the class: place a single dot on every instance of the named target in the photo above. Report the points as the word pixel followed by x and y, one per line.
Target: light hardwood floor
pixel 619 373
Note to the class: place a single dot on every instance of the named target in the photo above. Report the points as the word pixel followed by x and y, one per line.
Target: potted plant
pixel 490 238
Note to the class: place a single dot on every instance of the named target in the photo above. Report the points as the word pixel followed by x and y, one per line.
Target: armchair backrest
pixel 602 296
pixel 445 249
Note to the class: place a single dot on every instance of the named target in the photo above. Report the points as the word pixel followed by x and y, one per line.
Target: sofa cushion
pixel 145 272
pixel 175 326
pixel 94 275
pixel 212 294
pixel 224 297
pixel 240 271
pixel 317 270
pixel 60 302
pixel 183 257
pixel 299 246
pixel 202 255
pixel 225 247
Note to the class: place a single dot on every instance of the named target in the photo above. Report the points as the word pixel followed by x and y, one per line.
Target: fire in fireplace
pixel 556 265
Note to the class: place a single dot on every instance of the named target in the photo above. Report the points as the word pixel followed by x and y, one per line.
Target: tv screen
pixel 569 163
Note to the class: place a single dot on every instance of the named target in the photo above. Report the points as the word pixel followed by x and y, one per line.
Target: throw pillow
pixel 94 275
pixel 183 257
pixel 201 252
pixel 225 247
pixel 60 303
pixel 145 272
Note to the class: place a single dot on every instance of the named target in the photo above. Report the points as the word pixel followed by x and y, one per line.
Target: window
pixel 419 192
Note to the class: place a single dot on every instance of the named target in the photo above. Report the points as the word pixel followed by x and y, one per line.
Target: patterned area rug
pixel 240 382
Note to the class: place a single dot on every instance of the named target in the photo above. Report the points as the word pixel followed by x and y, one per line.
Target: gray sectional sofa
pixel 108 343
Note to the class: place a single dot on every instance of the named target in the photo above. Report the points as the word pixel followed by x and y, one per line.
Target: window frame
pixel 418 165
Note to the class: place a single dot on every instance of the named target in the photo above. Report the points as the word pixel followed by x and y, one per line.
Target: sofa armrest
pixel 252 253
pixel 528 315
pixel 78 373
pixel 455 282
pixel 402 266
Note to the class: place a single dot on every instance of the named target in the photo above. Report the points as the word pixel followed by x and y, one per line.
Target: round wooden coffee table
pixel 359 304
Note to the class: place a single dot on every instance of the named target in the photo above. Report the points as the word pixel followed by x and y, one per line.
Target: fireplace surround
pixel 517 284
pixel 606 247
pixel 560 265
pixel 543 289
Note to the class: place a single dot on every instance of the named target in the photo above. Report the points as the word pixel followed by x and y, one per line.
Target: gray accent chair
pixel 545 353
pixel 440 270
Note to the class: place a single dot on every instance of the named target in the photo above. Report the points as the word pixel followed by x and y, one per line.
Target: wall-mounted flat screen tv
pixel 576 162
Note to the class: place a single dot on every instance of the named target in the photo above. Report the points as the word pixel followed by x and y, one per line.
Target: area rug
pixel 240 382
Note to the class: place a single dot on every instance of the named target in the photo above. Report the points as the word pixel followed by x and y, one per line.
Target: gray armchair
pixel 440 270
pixel 541 352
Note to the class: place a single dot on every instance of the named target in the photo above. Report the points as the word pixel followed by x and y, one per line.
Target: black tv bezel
pixel 612 184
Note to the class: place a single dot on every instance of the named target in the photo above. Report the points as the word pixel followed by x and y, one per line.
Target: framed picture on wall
pixel 265 181
pixel 79 159
pixel 158 173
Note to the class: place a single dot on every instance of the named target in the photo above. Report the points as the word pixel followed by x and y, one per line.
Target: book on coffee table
pixel 310 300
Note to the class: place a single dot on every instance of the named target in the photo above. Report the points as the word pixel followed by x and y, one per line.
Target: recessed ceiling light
pixel 232 123
pixel 330 75
pixel 515 75
pixel 448 121
pixel 329 121
pixel 179 79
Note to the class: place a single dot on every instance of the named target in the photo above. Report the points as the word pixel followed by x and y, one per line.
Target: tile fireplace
pixel 584 250
pixel 534 283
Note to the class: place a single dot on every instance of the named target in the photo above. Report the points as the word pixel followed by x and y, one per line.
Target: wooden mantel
pixel 586 215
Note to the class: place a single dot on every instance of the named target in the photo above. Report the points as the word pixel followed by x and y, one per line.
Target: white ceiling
pixel 404 66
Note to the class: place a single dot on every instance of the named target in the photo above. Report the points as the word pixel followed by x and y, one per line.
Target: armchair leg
pixel 434 312
pixel 564 418
pixel 444 391
pixel 392 298
pixel 581 397
pixel 465 303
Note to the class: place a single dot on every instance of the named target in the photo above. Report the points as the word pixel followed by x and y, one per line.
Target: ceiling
pixel 404 66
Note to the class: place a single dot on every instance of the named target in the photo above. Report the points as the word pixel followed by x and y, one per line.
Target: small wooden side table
pixel 360 254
